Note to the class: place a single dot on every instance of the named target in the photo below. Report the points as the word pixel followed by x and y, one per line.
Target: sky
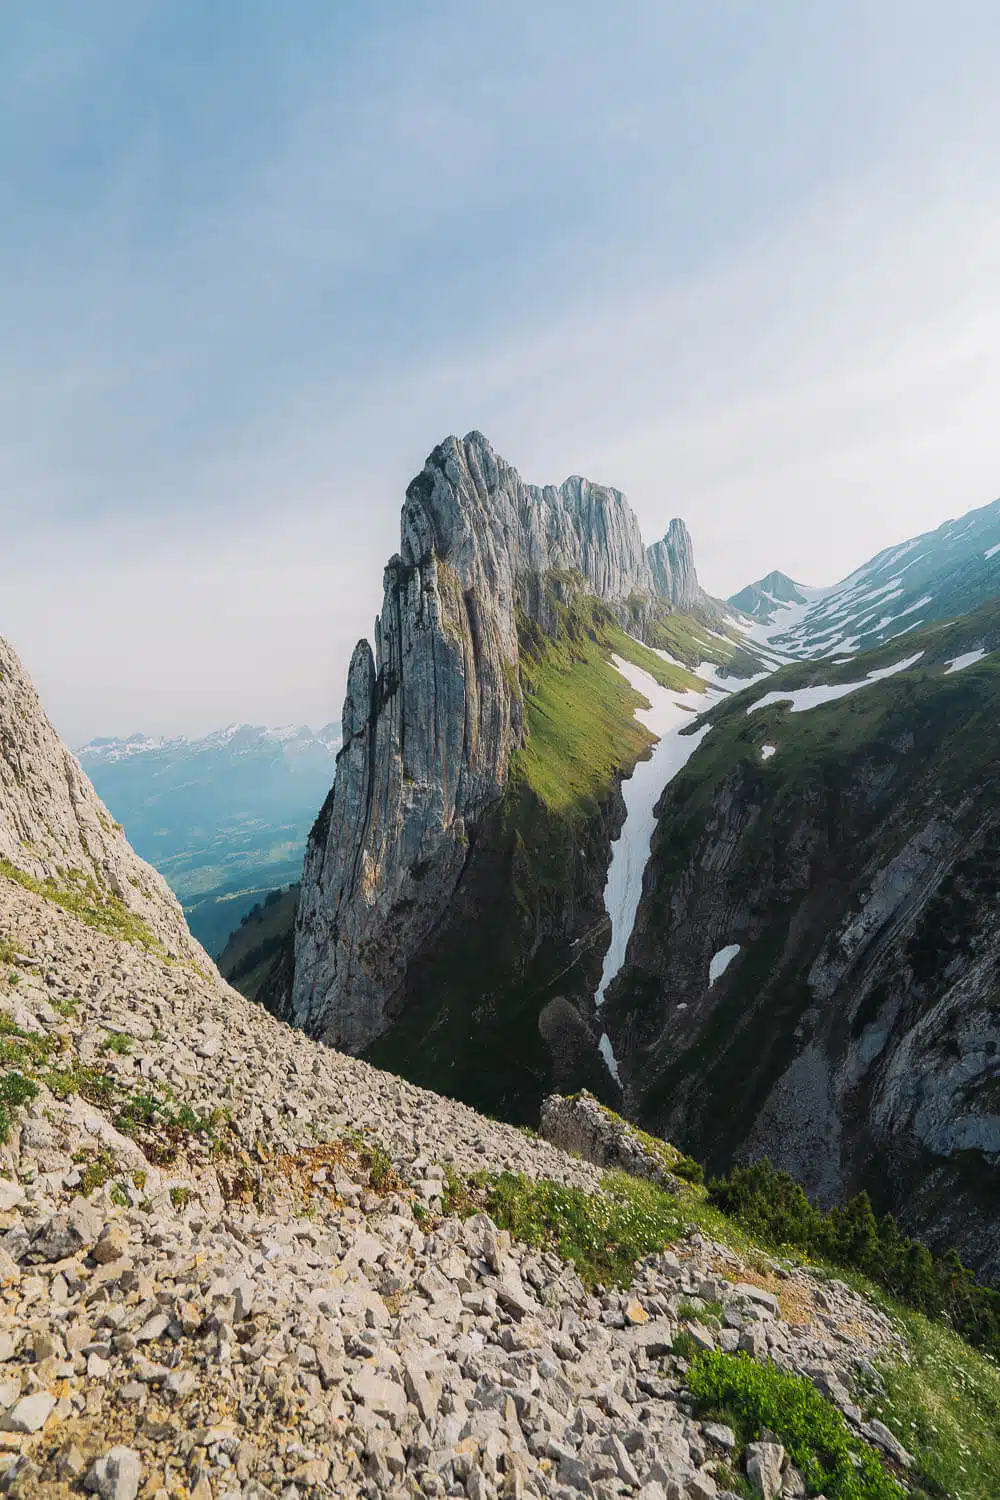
pixel 741 261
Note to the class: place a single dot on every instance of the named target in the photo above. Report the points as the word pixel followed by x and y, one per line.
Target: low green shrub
pixel 96 1168
pixel 117 1041
pixel 752 1397
pixel 15 1091
pixel 602 1234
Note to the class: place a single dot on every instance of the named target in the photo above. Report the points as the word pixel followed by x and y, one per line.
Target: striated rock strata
pixel 671 562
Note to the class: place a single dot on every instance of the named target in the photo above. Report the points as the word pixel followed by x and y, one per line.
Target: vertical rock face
pixel 431 721
pixel 671 563
pixel 53 825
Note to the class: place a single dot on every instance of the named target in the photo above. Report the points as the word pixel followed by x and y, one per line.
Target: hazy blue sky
pixel 740 259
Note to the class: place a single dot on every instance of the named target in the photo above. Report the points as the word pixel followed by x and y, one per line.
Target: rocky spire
pixel 671 563
pixel 431 722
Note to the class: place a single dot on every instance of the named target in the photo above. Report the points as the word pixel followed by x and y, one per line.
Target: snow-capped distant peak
pixel 238 740
pixel 936 576
pixel 285 732
pixel 770 597
pixel 109 749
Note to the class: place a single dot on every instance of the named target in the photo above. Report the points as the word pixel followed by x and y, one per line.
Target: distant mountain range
pixel 224 818
pixel 936 576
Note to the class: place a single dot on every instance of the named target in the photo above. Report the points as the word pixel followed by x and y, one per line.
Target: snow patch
pixel 959 663
pixel 992 551
pixel 766 751
pixel 669 712
pixel 721 961
pixel 802 699
pixel 607 1052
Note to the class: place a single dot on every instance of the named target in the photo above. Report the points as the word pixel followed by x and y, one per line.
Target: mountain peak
pixel 435 715
pixel 762 600
pixel 671 562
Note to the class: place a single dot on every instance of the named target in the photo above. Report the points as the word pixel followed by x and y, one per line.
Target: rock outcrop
pixel 671 562
pixel 54 828
pixel 582 1126
pixel 433 717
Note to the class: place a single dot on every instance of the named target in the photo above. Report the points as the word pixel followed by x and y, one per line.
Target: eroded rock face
pixel 580 1126
pixel 432 719
pixel 671 563
pixel 53 825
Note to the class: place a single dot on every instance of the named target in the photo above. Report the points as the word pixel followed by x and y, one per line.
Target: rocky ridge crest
pixel 433 717
pixel 54 828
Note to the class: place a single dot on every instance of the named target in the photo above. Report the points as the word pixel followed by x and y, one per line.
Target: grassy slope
pixel 527 922
pixel 248 956
pixel 80 894
pixel 906 742
pixel 579 711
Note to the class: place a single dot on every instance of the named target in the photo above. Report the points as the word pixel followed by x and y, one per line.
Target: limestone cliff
pixel 671 562
pixel 54 829
pixel 433 717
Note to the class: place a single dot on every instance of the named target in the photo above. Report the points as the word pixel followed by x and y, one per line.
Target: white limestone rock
pixel 432 718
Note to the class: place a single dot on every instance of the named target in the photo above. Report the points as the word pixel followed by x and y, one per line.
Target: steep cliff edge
pixel 57 837
pixel 434 718
pixel 813 973
pixel 671 562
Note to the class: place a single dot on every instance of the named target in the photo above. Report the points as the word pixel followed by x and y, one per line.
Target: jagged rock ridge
pixel 432 719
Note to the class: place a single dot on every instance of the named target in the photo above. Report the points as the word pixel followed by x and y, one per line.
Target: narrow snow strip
pixel 607 1052
pixel 766 751
pixel 960 663
pixel 905 631
pixel 669 713
pixel 802 699
pixel 862 621
pixel 992 551
pixel 720 963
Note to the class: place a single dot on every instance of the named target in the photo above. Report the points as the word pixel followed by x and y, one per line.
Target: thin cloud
pixel 745 267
